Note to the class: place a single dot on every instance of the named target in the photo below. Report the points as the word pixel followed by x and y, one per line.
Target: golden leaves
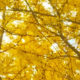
pixel 40 40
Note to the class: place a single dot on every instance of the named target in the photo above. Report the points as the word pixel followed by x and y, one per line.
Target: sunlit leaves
pixel 39 40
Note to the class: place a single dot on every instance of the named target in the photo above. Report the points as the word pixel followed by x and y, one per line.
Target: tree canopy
pixel 39 39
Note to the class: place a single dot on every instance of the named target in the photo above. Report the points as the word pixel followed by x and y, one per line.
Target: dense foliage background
pixel 40 39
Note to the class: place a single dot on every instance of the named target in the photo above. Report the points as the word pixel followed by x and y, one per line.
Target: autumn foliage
pixel 39 39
